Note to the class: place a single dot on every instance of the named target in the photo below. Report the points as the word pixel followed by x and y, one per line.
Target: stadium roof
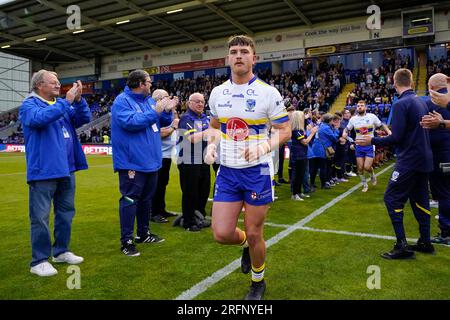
pixel 25 23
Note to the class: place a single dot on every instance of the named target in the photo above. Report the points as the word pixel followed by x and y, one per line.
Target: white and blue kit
pixel 364 125
pixel 245 112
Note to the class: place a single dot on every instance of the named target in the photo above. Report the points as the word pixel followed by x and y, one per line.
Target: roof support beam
pixel 298 12
pixel 228 18
pixel 57 33
pixel 156 19
pixel 41 46
pixel 98 24
pixel 112 21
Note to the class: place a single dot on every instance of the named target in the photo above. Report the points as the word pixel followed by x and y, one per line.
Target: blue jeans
pixel 62 192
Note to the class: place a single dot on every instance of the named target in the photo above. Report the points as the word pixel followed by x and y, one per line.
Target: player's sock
pixel 244 242
pixel 363 178
pixel 258 273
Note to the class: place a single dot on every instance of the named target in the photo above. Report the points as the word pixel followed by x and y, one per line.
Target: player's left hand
pixel 255 152
pixel 365 140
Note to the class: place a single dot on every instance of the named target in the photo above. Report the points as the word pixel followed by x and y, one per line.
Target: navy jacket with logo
pixel 412 142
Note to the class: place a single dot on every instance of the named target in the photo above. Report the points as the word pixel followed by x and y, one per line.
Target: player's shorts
pixel 253 185
pixel 364 151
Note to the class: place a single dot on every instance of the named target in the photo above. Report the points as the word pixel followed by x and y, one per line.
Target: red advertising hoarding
pixel 194 65
pixel 88 88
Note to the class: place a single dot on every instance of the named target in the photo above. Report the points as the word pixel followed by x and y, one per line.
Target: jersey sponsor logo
pixel 250 105
pixel 237 129
pixel 238 96
pixel 224 105
pixel 279 102
pixel 251 92
pixel 226 92
pixel 395 176
pixel 363 130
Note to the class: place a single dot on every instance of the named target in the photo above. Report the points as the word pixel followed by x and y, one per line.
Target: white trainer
pixel 305 195
pixel 68 257
pixel 44 269
pixel 373 179
pixel 296 197
pixel 365 188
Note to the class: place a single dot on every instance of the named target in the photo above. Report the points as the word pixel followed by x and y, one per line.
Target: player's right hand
pixel 211 153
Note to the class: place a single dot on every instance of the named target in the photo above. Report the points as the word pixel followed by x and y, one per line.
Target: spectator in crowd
pixel 298 153
pixel 409 179
pixel 195 176
pixel 326 137
pixel 53 155
pixel 168 139
pixel 135 124
pixel 440 145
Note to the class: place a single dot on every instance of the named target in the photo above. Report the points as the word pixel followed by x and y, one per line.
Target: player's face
pixel 241 59
pixel 361 109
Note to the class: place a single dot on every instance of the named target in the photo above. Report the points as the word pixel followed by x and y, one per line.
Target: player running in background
pixel 365 124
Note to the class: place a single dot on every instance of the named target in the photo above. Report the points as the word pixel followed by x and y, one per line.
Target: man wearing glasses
pixel 195 177
pixel 135 124
pixel 53 155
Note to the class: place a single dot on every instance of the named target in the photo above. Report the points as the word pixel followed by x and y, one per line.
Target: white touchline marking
pixel 203 285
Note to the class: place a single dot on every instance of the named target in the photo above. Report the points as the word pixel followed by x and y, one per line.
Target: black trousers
pixel 281 161
pixel 195 181
pixel 298 173
pixel 316 165
pixel 137 189
pixel 159 203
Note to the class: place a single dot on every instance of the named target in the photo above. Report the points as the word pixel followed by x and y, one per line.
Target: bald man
pixel 438 86
pixel 168 139
pixel 440 145
pixel 195 177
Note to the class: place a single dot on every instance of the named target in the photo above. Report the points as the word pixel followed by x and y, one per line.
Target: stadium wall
pixel 282 42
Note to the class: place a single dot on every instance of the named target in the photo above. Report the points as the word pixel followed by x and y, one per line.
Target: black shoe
pixel 193 228
pixel 276 184
pixel 256 291
pixel 168 214
pixel 441 239
pixel 246 263
pixel 159 219
pixel 327 186
pixel 400 251
pixel 129 249
pixel 283 181
pixel 149 238
pixel 422 246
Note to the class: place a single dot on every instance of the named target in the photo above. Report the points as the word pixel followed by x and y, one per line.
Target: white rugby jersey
pixel 245 112
pixel 364 125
